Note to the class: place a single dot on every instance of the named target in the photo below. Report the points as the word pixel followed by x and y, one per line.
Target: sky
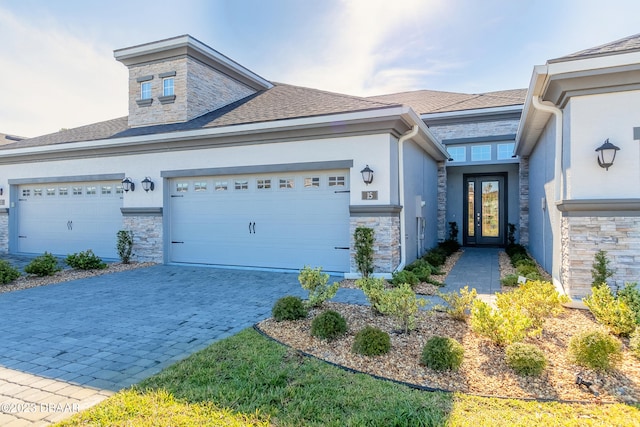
pixel 57 68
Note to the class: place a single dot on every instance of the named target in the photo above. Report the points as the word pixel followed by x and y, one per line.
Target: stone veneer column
pixel 583 236
pixel 385 221
pixel 523 182
pixel 4 230
pixel 442 202
pixel 146 225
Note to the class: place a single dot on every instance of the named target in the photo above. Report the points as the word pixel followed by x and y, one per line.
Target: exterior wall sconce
pixel 367 175
pixel 1 191
pixel 127 184
pixel 607 154
pixel 147 184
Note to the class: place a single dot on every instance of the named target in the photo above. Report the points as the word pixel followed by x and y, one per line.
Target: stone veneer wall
pixel 386 245
pixel 442 202
pixel 523 181
pixel 475 129
pixel 4 230
pixel 582 237
pixel 147 236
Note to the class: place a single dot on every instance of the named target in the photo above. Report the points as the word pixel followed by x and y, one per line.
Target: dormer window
pixel 167 86
pixel 145 90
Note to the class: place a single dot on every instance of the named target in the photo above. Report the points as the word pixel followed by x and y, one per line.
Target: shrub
pixel 525 359
pixel 634 343
pixel 595 350
pixel 449 246
pixel 86 260
pixel 459 302
pixel 453 231
pixel 518 257
pixel 371 341
pixel 511 234
pixel 630 295
pixel 525 262
pixel 442 353
pixel 373 289
pixel 515 248
pixel 316 282
pixel 8 273
pixel 44 265
pixel 405 276
pixel 538 300
pixel 288 308
pixel 510 280
pixel 614 313
pixel 364 239
pixel 436 257
pixel 328 325
pixel 125 245
pixel 421 269
pixel 600 271
pixel 503 326
pixel 401 303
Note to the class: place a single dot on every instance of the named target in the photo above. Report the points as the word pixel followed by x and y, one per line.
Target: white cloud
pixel 52 80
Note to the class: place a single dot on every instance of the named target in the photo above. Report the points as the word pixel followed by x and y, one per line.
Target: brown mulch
pixel 484 371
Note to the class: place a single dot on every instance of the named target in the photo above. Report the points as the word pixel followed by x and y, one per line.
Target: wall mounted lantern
pixel 607 154
pixel 147 184
pixel 127 184
pixel 367 175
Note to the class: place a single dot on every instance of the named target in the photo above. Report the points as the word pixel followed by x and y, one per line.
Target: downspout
pixel 559 177
pixel 403 252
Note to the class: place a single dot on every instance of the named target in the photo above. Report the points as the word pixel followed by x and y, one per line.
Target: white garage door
pixel 64 218
pixel 269 220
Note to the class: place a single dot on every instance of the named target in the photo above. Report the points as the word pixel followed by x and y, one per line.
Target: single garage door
pixel 64 218
pixel 270 220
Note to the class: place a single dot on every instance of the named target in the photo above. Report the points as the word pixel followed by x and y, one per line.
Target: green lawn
pixel 248 380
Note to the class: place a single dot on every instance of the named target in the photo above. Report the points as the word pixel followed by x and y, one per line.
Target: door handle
pixel 252 227
pixel 478 218
pixel 69 225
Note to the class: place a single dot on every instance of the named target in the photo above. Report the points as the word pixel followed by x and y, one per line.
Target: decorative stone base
pixel 582 237
pixel 386 245
pixel 4 231
pixel 442 202
pixel 147 235
pixel 523 182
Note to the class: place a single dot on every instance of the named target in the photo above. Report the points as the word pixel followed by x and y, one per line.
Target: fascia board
pixel 593 63
pixel 533 121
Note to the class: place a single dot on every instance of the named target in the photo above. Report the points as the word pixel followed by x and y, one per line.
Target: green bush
pixel 436 256
pixel 634 343
pixel 288 308
pixel 630 295
pixel 510 280
pixel 405 276
pixel 459 303
pixel 529 271
pixel 595 350
pixel 421 269
pixel 364 240
pixel 600 271
pixel 328 325
pixel 537 299
pixel 44 265
pixel 442 354
pixel 519 257
pixel 525 359
pixel 86 260
pixel 515 248
pixel 316 283
pixel 371 341
pixel 614 313
pixel 502 326
pixel 8 273
pixel 526 262
pixel 449 247
pixel 402 304
pixel 373 289
pixel 125 245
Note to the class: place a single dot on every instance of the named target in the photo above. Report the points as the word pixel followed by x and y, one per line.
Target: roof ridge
pixel 342 95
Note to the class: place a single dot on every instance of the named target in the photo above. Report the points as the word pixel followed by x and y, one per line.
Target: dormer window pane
pixel 167 86
pixel 145 90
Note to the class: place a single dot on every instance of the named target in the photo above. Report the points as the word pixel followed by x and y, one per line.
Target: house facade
pixel 215 165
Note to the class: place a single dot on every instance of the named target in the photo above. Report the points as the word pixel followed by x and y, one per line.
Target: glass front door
pixel 484 210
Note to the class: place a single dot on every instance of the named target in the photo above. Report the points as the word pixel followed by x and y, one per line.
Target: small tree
pixel 363 237
pixel 453 231
pixel 601 271
pixel 317 283
pixel 125 245
pixel 511 234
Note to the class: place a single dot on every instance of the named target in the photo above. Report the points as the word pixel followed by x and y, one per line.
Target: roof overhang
pixel 510 112
pixel 186 45
pixel 558 81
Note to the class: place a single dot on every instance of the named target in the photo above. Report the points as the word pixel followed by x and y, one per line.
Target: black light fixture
pixel 147 184
pixel 127 184
pixel 607 154
pixel 367 175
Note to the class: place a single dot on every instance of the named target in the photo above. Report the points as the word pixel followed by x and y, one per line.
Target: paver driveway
pixel 111 331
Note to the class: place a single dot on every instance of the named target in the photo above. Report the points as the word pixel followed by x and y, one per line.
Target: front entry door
pixel 484 209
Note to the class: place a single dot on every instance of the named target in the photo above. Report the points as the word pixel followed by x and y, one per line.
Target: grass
pixel 248 380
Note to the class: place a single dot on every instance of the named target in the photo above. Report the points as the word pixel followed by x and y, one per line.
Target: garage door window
pixel 77 191
pixel 263 184
pixel 37 192
pixel 26 192
pixel 200 186
pixel 241 184
pixel 106 190
pixel 63 191
pixel 221 186
pixel 182 187
pixel 91 190
pixel 336 181
pixel 51 191
pixel 313 182
pixel 286 183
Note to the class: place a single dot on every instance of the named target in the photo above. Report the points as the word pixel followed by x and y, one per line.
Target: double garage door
pixel 64 218
pixel 261 220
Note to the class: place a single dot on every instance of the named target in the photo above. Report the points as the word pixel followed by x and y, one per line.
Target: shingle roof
pixel 9 139
pixel 625 45
pixel 431 101
pixel 278 103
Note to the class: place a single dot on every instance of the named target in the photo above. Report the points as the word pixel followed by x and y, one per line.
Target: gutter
pixel 548 107
pixel 403 250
